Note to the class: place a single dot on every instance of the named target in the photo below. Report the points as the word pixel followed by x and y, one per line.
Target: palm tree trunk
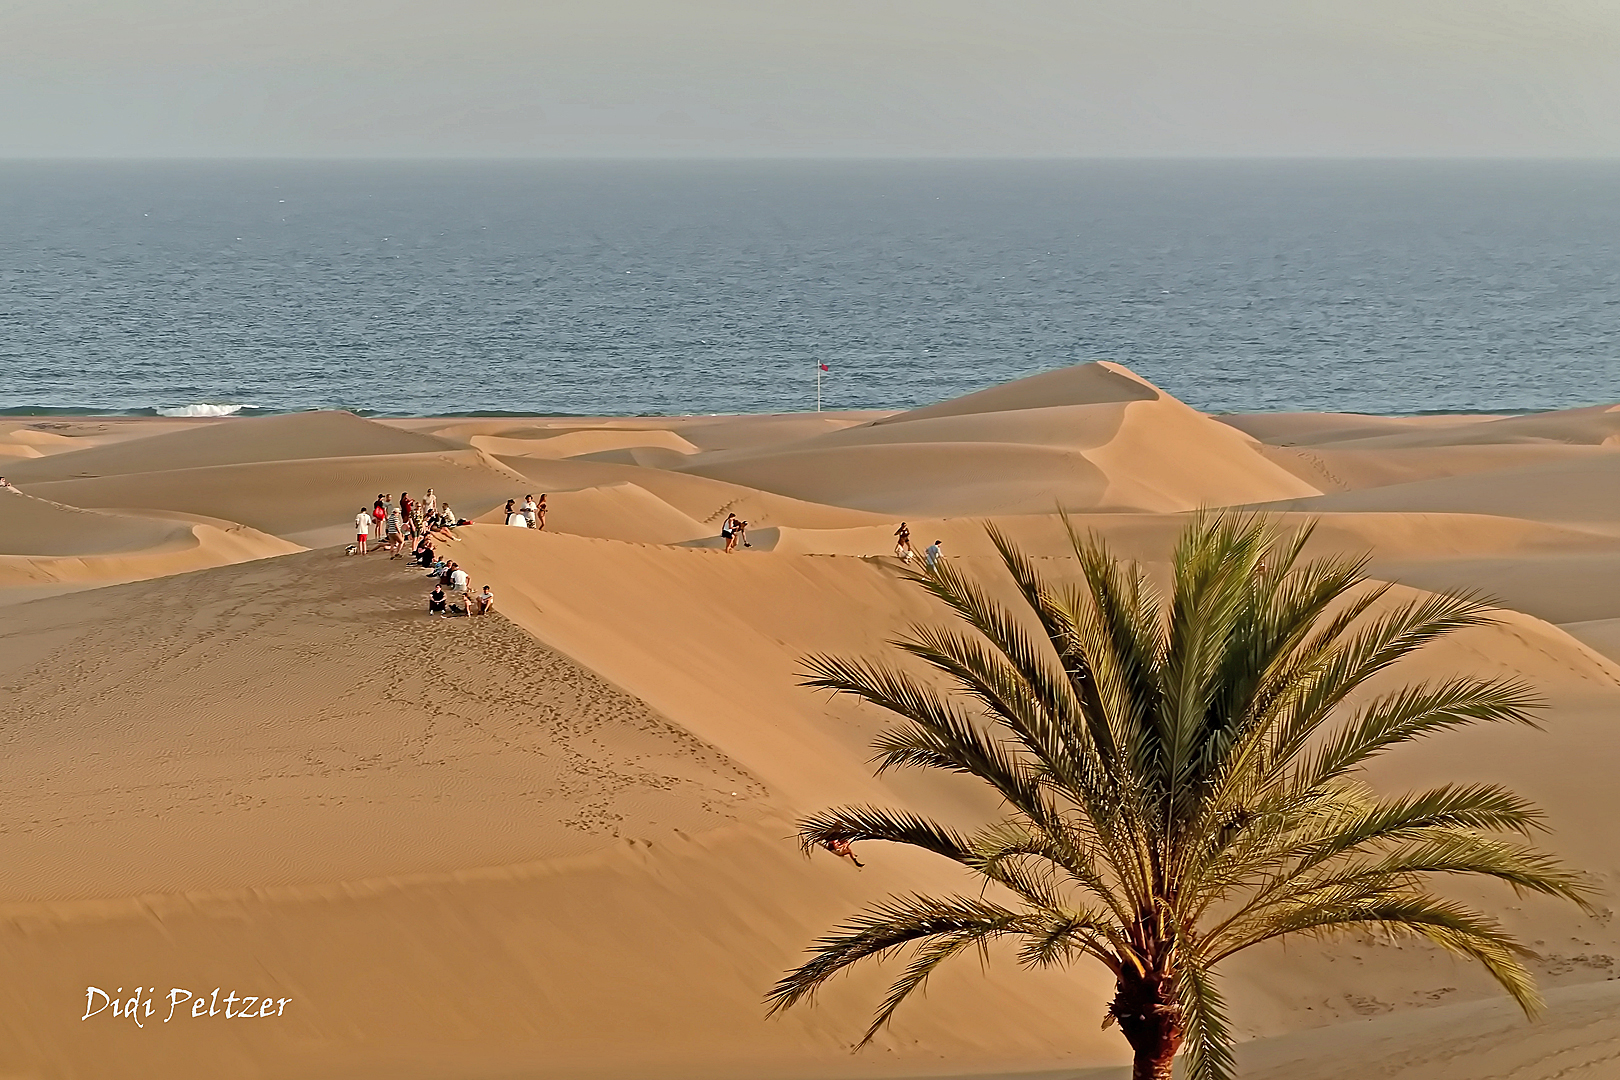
pixel 1150 1018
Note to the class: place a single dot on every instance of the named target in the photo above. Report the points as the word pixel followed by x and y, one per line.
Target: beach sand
pixel 556 842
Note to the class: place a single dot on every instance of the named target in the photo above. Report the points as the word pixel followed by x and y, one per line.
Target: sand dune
pixel 1084 384
pixel 312 499
pixel 553 842
pixel 1582 490
pixel 232 442
pixel 39 527
pixel 623 512
pixel 578 443
pixel 1323 429
pixel 1348 469
pixel 1011 451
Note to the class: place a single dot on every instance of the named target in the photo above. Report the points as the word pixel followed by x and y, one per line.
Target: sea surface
pixel 703 287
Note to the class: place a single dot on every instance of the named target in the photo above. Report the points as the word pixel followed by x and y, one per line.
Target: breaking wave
pixel 200 409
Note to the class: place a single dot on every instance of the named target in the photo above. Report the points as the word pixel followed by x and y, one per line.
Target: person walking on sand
pixel 842 849
pixel 932 553
pixel 728 531
pixel 362 530
pixel 530 510
pixel 902 543
pixel 540 514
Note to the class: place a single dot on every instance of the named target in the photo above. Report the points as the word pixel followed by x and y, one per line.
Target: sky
pixel 823 78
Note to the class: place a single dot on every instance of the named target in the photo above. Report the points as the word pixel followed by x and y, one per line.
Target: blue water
pixel 642 287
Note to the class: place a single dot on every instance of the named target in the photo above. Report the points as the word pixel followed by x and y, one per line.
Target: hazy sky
pixel 809 77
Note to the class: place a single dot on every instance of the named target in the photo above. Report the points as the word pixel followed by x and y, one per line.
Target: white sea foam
pixel 200 409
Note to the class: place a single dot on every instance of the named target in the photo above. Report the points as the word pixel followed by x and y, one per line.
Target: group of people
pixel 531 514
pixel 451 581
pixel 904 552
pixel 388 524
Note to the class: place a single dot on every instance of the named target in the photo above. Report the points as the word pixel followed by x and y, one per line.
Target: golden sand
pixel 555 842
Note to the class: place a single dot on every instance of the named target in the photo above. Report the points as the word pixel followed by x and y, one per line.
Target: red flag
pixel 824 367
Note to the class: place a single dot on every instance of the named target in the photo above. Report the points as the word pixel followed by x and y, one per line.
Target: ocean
pixel 641 287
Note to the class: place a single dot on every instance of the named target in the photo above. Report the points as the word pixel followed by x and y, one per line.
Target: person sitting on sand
pixel 423 553
pixel 483 603
pixel 902 543
pixel 362 530
pixel 530 510
pixel 5 485
pixel 437 601
pixel 841 848
pixel 932 553
pixel 458 579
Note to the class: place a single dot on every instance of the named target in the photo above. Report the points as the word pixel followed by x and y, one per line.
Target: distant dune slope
pixel 232 442
pixel 1083 384
pixel 299 497
pixel 35 526
pixel 1579 490
pixel 1091 437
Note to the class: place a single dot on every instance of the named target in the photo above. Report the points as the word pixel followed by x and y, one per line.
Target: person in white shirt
pixel 458 580
pixel 362 529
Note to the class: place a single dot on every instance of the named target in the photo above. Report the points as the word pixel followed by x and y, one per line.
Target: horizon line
pixel 627 157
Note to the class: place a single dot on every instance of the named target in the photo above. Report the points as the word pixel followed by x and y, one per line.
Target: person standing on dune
pixel 362 529
pixel 530 510
pixel 540 514
pixel 393 537
pixel 902 543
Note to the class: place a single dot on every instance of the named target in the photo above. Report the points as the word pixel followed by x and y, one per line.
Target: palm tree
pixel 1181 779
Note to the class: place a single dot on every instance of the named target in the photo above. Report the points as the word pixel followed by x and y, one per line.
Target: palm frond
pixel 885 928
pixel 1206 1034
pixel 874 823
pixel 1418 711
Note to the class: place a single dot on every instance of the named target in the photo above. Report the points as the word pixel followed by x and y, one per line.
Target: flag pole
pixel 818 385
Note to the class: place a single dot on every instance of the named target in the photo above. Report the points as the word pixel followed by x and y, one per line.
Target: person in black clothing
pixel 436 601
